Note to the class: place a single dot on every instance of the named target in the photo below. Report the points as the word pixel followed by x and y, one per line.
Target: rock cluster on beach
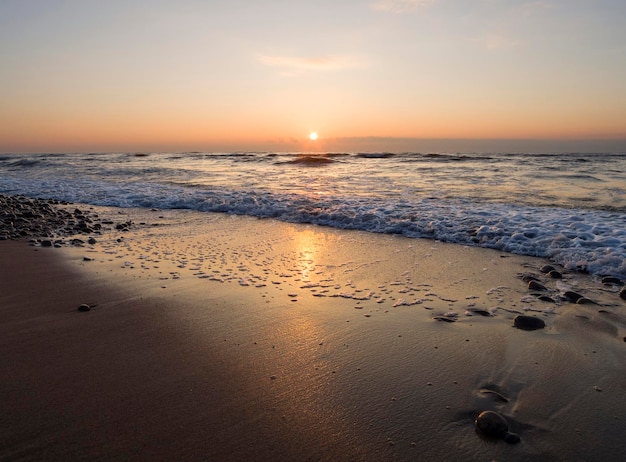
pixel 47 222
pixel 543 291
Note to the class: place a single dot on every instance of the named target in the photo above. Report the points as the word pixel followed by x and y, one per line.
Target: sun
pixel 313 136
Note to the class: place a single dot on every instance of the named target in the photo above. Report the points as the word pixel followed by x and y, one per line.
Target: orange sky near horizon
pixel 153 76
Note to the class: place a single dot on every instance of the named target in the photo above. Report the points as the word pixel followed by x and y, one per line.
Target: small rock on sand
pixel 84 307
pixel 572 296
pixel 554 274
pixel 622 293
pixel 611 280
pixel 444 318
pixel 493 425
pixel 528 322
pixel 534 285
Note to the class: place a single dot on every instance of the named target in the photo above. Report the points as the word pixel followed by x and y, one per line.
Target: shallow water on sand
pixel 344 345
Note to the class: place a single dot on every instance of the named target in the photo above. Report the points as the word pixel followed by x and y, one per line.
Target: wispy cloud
pixel 401 6
pixel 495 41
pixel 294 65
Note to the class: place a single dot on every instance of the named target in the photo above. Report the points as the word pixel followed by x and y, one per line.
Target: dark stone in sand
pixel 84 307
pixel 528 277
pixel 91 241
pixel 611 280
pixel 480 311
pixel 492 424
pixel 572 296
pixel 512 438
pixel 46 243
pixel 534 285
pixel 528 322
pixel 444 319
pixel 622 294
pixel 554 274
pixel 545 298
pixel 547 268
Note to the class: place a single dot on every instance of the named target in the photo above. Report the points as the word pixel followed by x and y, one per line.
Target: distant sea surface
pixel 568 207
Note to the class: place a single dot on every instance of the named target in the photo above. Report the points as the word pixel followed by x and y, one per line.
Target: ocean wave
pixel 314 160
pixel 589 240
pixel 375 155
pixel 24 162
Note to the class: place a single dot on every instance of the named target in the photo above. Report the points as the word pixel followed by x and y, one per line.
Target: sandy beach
pixel 219 337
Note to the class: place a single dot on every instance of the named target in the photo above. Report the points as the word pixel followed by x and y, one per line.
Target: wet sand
pixel 216 337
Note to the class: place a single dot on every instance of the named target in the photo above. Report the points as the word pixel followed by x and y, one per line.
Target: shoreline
pixel 231 338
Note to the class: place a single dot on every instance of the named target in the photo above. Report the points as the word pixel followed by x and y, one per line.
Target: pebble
pixel 480 311
pixel 622 293
pixel 554 274
pixel 545 298
pixel 572 296
pixel 611 280
pixel 493 425
pixel 528 322
pixel 534 285
pixel 444 319
pixel 528 277
pixel 84 307
pixel 547 268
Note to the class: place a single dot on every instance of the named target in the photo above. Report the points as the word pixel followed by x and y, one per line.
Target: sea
pixel 567 207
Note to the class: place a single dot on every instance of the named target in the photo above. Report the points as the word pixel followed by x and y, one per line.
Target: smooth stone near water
pixel 444 319
pixel 545 298
pixel 84 307
pixel 524 322
pixel 572 296
pixel 611 280
pixel 480 311
pixel 528 277
pixel 547 268
pixel 622 293
pixel 534 285
pixel 492 424
pixel 554 274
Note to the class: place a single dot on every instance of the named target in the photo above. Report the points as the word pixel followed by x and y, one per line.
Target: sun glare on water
pixel 313 136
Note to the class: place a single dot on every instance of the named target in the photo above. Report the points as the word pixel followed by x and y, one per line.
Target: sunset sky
pixel 222 75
